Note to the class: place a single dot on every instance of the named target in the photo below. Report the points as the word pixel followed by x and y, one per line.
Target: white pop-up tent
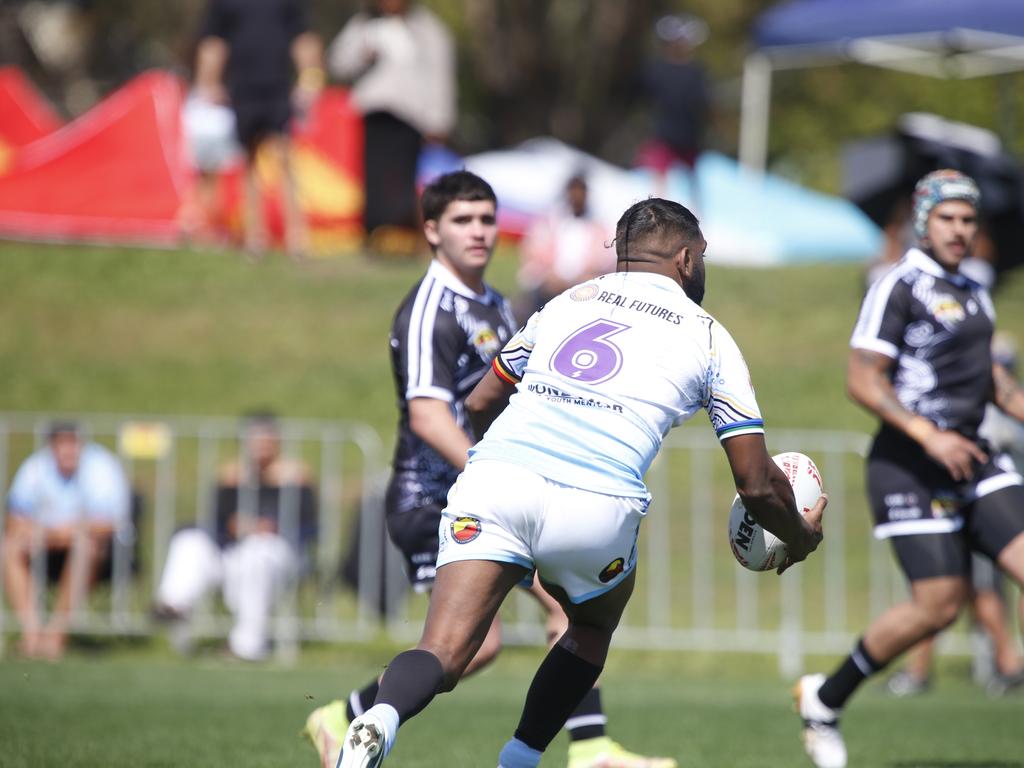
pixel 940 38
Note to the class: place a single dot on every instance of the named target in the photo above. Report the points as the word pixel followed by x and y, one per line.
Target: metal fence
pixel 690 595
pixel 172 464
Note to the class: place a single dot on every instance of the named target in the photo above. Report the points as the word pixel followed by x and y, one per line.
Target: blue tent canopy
pixel 834 22
pixel 940 38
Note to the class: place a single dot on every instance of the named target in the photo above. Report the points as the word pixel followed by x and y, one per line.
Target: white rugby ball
pixel 754 547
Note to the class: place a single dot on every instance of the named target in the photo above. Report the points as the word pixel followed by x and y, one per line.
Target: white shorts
pixel 584 542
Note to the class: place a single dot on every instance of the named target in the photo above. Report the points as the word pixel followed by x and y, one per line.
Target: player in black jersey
pixel 445 334
pixel 920 361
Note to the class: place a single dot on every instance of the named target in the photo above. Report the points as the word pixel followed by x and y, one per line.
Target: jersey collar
pixel 450 280
pixel 918 258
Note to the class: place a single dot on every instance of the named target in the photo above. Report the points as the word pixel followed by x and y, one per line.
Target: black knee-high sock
pixel 841 684
pixel 363 699
pixel 410 682
pixel 587 721
pixel 562 680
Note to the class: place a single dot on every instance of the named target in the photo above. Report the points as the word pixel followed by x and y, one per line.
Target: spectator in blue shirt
pixel 66 503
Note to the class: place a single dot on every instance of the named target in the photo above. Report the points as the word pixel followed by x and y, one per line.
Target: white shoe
pixel 364 743
pixel 822 740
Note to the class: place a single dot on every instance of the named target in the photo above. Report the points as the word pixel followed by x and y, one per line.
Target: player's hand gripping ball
pixel 754 547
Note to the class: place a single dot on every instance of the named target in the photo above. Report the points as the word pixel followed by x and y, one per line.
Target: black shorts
pixel 935 523
pixel 256 119
pixel 413 529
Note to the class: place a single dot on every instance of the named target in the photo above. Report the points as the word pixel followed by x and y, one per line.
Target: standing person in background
pixel 400 59
pixel 445 335
pixel 921 361
pixel 245 57
pixel 561 249
pixel 67 502
pixel 677 88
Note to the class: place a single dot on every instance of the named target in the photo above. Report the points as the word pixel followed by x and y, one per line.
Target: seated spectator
pixel 66 503
pixel 560 250
pixel 265 514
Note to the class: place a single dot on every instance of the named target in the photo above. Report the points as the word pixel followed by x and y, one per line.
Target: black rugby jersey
pixel 443 339
pixel 938 327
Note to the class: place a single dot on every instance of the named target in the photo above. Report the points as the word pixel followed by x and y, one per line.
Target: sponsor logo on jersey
pixel 613 569
pixel 486 342
pixel 465 529
pixel 947 311
pixel 585 292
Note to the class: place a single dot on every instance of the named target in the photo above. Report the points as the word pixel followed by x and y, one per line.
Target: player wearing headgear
pixel 920 361
pixel 555 485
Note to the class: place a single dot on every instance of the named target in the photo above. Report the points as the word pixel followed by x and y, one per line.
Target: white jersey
pixel 603 371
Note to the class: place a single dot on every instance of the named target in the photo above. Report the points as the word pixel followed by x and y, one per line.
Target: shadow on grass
pixel 956 764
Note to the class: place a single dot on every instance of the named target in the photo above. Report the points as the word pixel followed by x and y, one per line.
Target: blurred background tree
pixel 539 67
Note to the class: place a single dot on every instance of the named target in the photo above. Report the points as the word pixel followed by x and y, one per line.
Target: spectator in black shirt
pixel 245 57
pixel 677 86
pixel 921 362
pixel 265 518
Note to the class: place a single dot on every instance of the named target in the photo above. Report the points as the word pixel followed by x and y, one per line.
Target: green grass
pixel 85 329
pixel 138 708
pixel 179 332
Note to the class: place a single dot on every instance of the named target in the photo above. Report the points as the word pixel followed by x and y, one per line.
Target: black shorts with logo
pixel 935 523
pixel 413 521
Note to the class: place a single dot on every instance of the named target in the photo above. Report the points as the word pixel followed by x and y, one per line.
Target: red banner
pixel 120 173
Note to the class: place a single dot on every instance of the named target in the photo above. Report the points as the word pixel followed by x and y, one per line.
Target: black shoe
pixel 165 614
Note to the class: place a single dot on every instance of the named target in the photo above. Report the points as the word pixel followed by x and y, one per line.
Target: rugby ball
pixel 755 548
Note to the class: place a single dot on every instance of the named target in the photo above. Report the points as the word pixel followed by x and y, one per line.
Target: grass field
pixel 138 708
pixel 92 330
pixel 180 332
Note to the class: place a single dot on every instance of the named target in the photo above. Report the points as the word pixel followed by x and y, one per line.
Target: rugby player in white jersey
pixel 555 486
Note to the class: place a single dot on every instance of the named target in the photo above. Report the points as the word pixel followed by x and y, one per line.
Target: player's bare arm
pixel 432 421
pixel 768 496
pixel 487 400
pixel 869 385
pixel 1009 395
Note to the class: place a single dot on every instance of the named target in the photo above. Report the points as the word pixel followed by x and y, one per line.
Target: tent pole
pixel 755 103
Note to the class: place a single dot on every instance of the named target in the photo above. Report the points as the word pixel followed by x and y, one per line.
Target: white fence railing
pixel 690 595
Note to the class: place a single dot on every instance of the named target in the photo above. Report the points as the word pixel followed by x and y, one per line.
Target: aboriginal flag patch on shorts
pixel 465 529
pixel 613 569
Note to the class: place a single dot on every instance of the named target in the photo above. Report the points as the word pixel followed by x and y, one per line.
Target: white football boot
pixel 364 743
pixel 822 740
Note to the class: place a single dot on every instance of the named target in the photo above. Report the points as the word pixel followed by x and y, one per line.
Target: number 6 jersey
pixel 602 373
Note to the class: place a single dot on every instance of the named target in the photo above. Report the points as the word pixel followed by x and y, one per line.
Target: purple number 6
pixel 587 355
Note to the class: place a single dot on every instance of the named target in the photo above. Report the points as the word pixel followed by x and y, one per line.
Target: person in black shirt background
pixel 265 517
pixel 921 362
pixel 246 55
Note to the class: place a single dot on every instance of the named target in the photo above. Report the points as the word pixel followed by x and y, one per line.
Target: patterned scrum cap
pixel 937 187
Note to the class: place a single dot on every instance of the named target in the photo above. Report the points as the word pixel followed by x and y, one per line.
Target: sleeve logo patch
pixel 613 569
